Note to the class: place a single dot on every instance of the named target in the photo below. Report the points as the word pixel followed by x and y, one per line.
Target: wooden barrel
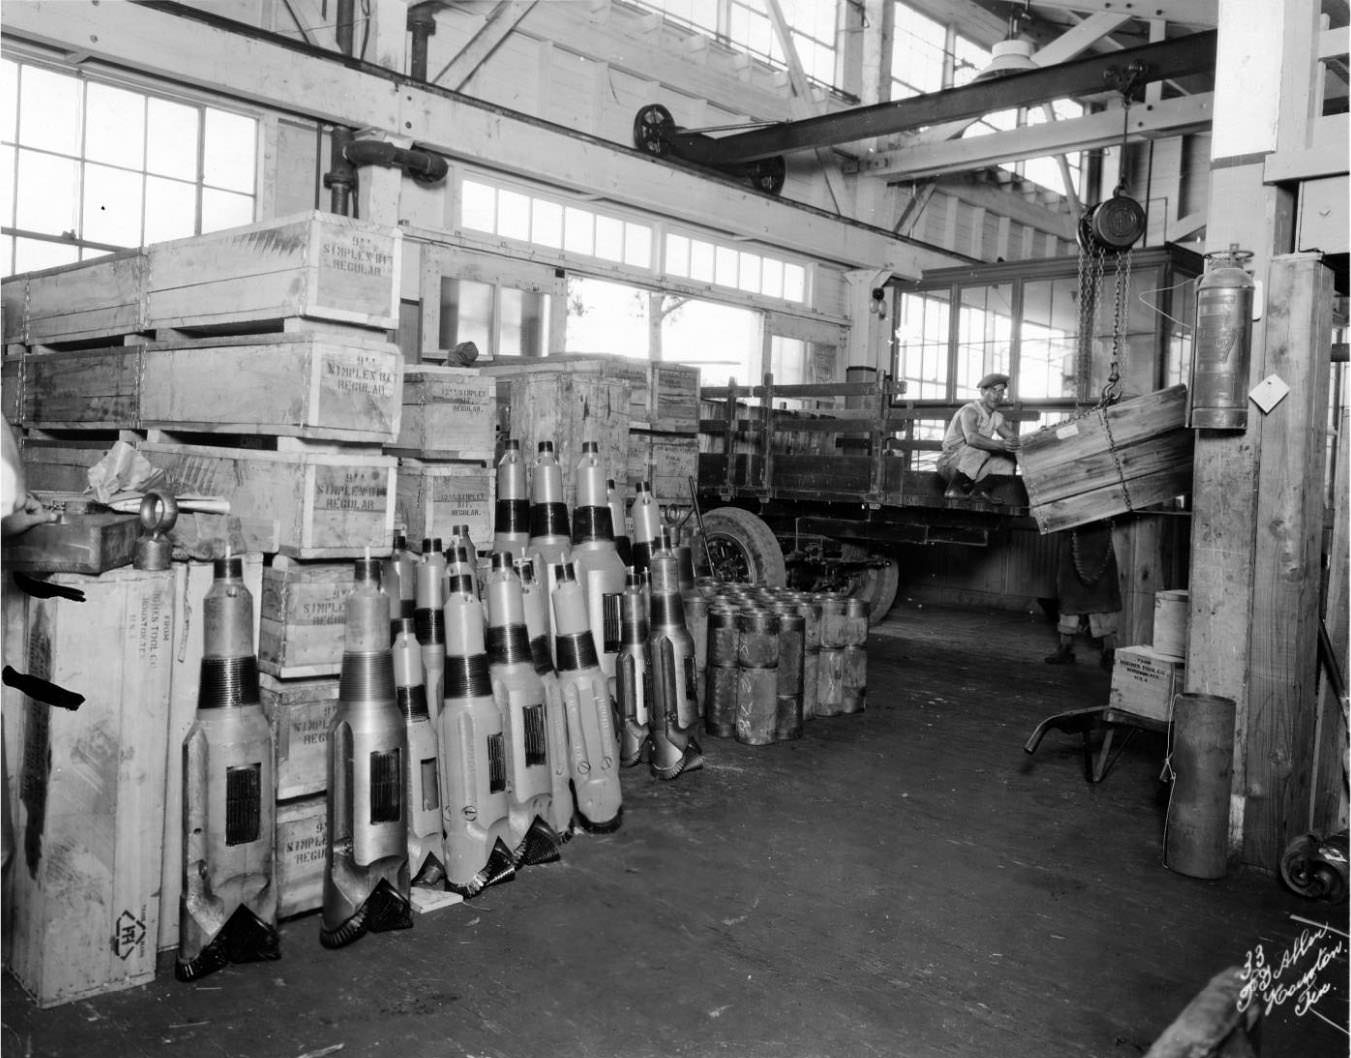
pixel 1170 624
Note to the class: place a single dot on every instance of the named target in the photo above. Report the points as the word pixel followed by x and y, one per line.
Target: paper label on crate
pixel 1064 433
pixel 338 488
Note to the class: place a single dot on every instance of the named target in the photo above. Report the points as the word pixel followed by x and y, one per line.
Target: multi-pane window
pixel 918 55
pixel 922 344
pixel 724 265
pixel 746 25
pixel 88 167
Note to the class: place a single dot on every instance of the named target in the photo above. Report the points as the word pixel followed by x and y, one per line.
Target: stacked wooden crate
pixel 253 365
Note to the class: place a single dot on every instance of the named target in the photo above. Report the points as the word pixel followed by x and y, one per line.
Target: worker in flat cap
pixel 978 443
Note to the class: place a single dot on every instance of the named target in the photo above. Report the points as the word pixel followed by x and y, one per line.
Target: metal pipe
pixel 421 24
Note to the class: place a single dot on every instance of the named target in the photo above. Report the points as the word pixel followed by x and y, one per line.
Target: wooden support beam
pixel 1283 681
pixel 500 24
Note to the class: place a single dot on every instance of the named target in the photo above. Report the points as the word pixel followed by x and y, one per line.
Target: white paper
pixel 1268 393
pixel 1064 433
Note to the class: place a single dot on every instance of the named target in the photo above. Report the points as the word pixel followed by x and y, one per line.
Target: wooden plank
pixel 1283 676
pixel 325 505
pixel 1112 499
pixel 192 580
pixel 94 389
pixel 95 299
pixel 86 876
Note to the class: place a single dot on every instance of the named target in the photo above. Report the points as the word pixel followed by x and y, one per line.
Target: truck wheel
pixel 743 548
pixel 877 586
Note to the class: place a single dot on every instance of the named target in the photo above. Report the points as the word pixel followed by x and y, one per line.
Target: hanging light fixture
pixel 1012 54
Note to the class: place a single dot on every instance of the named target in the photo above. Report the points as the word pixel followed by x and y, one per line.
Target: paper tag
pixel 1064 433
pixel 1268 393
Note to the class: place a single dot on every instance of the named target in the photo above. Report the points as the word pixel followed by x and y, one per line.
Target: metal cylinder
pixel 399 577
pixel 429 621
pixel 536 603
pixel 366 881
pixel 646 526
pixel 1217 396
pixel 720 711
pixel 228 904
pixel 550 532
pixel 599 568
pixel 675 705
pixel 830 671
pixel 422 786
pixel 633 678
pixel 792 625
pixel 696 620
pixel 511 520
pixel 476 812
pixel 854 697
pixel 619 522
pixel 811 653
pixel 1196 830
pixel 757 691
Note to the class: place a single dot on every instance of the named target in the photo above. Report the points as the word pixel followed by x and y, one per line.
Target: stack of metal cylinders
pixel 855 684
pixel 788 716
pixel 757 690
pixel 720 693
pixel 830 679
pixel 810 609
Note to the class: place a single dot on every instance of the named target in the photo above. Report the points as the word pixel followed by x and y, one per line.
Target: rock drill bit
pixel 423 789
pixel 632 677
pixel 476 811
pixel 599 569
pixel 519 693
pixel 228 908
pixel 549 532
pixel 429 622
pixel 619 522
pixel 399 576
pixel 511 523
pixel 536 603
pixel 594 760
pixel 646 527
pixel 366 884
pixel 675 708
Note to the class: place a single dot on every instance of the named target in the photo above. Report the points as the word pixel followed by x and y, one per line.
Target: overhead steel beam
pixel 1174 58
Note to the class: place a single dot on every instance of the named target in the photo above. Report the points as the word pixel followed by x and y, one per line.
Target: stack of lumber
pixel 1126 457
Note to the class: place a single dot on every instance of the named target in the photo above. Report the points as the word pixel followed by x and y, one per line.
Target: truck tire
pixel 743 547
pixel 877 587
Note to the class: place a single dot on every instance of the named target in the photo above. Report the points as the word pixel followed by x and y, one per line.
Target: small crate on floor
pixel 303 618
pixel 89 825
pixel 301 712
pixel 302 831
pixel 325 505
pixel 1144 682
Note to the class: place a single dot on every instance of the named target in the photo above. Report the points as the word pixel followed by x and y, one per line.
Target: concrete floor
pixel 904 882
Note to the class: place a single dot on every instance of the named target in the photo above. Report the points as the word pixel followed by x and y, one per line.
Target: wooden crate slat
pixel 94 299
pixel 303 617
pixel 1112 500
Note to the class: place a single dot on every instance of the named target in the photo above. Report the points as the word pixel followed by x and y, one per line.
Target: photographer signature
pixel 1267 980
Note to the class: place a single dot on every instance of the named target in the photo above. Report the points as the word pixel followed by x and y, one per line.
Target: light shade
pixel 1008 56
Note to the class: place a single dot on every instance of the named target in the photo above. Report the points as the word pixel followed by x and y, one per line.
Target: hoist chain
pixel 1090 579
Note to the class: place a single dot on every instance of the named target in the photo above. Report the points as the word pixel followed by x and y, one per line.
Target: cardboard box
pixel 1144 682
pixel 301 712
pixel 90 813
pixel 302 831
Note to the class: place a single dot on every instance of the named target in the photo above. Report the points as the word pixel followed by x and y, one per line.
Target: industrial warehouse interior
pixel 794 528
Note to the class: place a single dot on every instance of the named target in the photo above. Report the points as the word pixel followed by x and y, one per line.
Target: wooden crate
pixel 673 398
pixel 674 460
pixel 314 265
pixel 192 580
pixel 325 505
pixel 448 413
pixel 301 712
pixel 1126 457
pixel 434 497
pixel 87 868
pixel 303 615
pixel 59 466
pixel 302 830
pixel 1144 682
pixel 662 396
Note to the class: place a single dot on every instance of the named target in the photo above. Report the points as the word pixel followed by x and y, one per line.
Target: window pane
pixel 6 255
pixel 171 139
pixel 466 313
pixel 546 226
pixel 229 150
pixel 579 234
pixel 787 360
pixel 984 334
pixel 32 254
pixel 606 317
pixel 677 255
pixel 7 155
pixel 478 206
pixel 49 110
pixel 773 278
pixel 225 209
pixel 794 282
pixel 513 215
pixel 637 245
pixel 170 209
pixel 749 274
pixel 115 126
pixel 48 193
pixel 523 329
pixel 112 206
pixel 609 238
pixel 725 341
pixel 922 345
pixel 701 261
pixel 724 268
pixel 9 101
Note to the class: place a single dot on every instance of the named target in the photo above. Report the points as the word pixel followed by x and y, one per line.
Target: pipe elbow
pixel 423 166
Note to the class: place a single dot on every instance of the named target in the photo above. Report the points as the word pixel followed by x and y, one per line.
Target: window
pixel 88 167
pixel 723 264
pixel 918 54
pixel 605 317
pixel 922 344
pixel 724 341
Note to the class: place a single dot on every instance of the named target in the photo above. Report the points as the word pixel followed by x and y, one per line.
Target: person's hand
pixel 1012 444
pixel 28 514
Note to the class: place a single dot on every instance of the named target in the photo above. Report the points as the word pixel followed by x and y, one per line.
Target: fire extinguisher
pixel 1217 398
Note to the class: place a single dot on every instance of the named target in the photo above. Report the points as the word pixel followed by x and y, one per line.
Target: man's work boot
pixel 1064 655
pixel 959 488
